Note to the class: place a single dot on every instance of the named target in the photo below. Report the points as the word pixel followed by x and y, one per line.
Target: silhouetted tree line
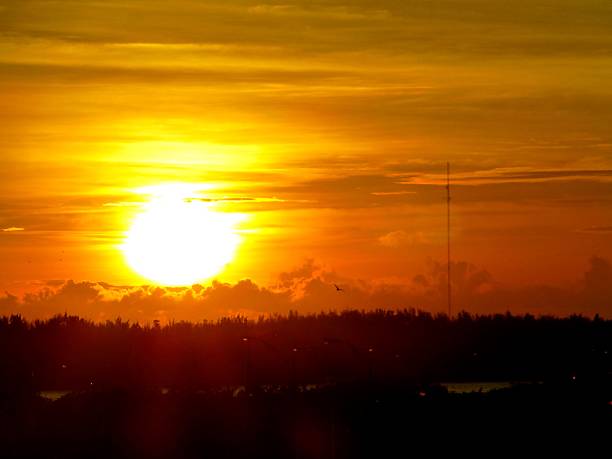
pixel 327 386
pixel 70 353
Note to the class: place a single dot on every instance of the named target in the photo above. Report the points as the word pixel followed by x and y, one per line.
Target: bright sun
pixel 179 240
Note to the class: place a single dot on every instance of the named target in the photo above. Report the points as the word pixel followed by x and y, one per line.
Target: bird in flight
pixel 338 289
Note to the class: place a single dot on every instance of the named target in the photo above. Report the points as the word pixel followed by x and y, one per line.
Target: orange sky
pixel 327 124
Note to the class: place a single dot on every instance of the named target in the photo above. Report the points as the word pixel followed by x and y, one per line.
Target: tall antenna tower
pixel 448 236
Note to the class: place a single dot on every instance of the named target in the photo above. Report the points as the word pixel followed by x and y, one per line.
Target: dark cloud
pixel 423 27
pixel 597 283
pixel 54 73
pixel 597 229
pixel 384 189
pixel 9 304
pixel 531 175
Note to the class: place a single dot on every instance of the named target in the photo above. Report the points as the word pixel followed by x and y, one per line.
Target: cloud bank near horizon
pixel 310 289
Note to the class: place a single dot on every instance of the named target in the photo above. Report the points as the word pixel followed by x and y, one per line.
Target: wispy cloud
pixel 12 229
pixel 597 229
pixel 510 175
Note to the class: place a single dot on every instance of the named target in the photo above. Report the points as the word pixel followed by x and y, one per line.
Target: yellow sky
pixel 328 124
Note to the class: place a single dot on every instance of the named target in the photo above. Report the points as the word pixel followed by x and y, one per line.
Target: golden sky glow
pixel 325 125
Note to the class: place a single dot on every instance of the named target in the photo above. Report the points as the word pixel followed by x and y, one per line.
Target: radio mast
pixel 448 236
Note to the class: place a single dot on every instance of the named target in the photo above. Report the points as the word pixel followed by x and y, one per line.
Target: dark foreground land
pixel 348 421
pixel 329 386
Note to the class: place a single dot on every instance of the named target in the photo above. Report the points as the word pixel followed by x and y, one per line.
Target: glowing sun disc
pixel 180 242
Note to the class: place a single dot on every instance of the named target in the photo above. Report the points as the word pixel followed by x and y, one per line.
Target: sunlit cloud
pixel 12 229
pixel 310 287
pixel 400 237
